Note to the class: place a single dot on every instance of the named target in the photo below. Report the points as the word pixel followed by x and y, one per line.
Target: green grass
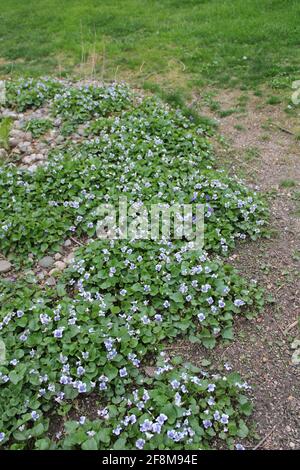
pixel 288 183
pixel 176 44
pixel 5 125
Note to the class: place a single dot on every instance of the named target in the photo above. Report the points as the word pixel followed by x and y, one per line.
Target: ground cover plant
pixel 94 335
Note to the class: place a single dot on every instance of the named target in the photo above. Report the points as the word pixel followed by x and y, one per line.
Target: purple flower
pixel 117 430
pixel 239 447
pixel 123 372
pixel 207 423
pixel 146 426
pixel 81 387
pixel 156 428
pixel 64 380
pixel 224 418
pixel 45 319
pixel 34 415
pixel 175 384
pixel 80 370
pixel 201 317
pixel 161 418
pixel 58 333
pixel 2 436
pixel 211 387
pixel 140 443
pixel 172 434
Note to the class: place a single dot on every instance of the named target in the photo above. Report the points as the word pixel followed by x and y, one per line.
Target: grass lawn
pixel 171 43
pixel 80 341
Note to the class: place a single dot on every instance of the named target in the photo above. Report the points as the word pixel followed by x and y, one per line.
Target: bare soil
pixel 258 145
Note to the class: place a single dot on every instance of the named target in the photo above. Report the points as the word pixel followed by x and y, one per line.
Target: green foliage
pixel 38 127
pixel 93 335
pixel 32 93
pixel 146 152
pixel 175 409
pixel 5 125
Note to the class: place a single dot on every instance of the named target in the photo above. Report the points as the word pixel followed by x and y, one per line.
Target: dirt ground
pixel 267 155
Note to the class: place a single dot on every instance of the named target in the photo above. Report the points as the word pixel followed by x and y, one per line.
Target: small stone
pixel 150 371
pixel 25 147
pixel 17 134
pixel 13 142
pixel 60 265
pixel 28 136
pixel 32 168
pixel 68 243
pixel 9 113
pixel 3 153
pixel 53 272
pixel 292 445
pixel 70 258
pixel 5 266
pixel 29 159
pixel 57 122
pixel 40 276
pixel 57 256
pixel 46 262
pixel 18 125
pixel 81 131
pixel 51 282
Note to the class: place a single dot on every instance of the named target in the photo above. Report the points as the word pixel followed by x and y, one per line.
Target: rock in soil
pixel 46 262
pixel 5 266
pixel 3 153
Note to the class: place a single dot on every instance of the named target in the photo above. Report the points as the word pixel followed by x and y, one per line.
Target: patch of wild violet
pixel 115 308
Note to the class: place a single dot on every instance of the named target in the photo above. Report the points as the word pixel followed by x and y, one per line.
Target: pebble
pixel 3 153
pixel 51 281
pixel 9 113
pixel 5 266
pixel 57 256
pixel 29 159
pixel 81 131
pixel 32 168
pixel 57 122
pixel 13 142
pixel 69 259
pixel 53 272
pixel 60 139
pixel 17 133
pixel 18 125
pixel 46 262
pixel 28 136
pixel 24 147
pixel 60 265
pixel 68 243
